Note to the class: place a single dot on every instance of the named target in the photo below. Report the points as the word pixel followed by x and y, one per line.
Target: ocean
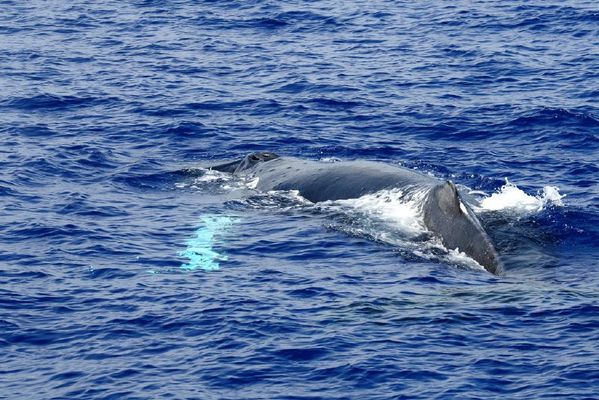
pixel 130 271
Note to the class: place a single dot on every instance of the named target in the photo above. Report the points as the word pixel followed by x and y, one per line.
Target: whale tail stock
pixel 447 216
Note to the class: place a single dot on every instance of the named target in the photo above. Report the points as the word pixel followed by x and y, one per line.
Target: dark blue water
pixel 122 278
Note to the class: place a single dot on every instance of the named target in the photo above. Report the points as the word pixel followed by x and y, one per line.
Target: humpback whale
pixel 444 211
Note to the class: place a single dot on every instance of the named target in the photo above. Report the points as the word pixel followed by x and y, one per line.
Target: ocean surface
pixel 129 271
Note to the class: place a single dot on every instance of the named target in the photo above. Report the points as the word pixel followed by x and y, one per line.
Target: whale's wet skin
pixel 442 209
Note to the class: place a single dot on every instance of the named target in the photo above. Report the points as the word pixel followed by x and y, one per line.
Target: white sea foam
pixel 213 176
pixel 511 198
pixel 252 183
pixel 207 177
pixel 285 199
pixel 458 257
pixel 391 207
pixel 330 159
pixel 216 179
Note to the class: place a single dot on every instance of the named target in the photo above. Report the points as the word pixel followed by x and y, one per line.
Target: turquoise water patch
pixel 200 250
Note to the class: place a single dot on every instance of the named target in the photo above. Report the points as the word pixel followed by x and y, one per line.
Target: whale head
pixel 246 163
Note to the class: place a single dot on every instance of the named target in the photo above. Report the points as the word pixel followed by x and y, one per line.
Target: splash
pixel 391 208
pixel 200 250
pixel 253 183
pixel 209 180
pixel 511 198
pixel 206 177
pixel 458 257
pixel 395 218
pixel 330 159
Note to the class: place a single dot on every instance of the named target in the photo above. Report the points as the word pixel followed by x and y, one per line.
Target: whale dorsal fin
pixel 458 227
pixel 447 197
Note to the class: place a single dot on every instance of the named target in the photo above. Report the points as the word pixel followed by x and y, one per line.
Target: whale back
pixel 318 181
pixel 454 222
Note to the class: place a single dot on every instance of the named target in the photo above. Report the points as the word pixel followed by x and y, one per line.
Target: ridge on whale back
pixel 445 213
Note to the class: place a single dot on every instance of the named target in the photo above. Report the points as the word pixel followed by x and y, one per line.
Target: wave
pixel 391 207
pixel 556 116
pixel 51 102
pixel 301 20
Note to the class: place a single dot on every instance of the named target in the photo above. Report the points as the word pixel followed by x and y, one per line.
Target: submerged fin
pixel 446 215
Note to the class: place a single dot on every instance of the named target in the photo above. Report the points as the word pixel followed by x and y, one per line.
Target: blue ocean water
pixel 123 276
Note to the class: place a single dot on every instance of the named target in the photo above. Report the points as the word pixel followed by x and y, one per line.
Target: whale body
pixel 445 214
